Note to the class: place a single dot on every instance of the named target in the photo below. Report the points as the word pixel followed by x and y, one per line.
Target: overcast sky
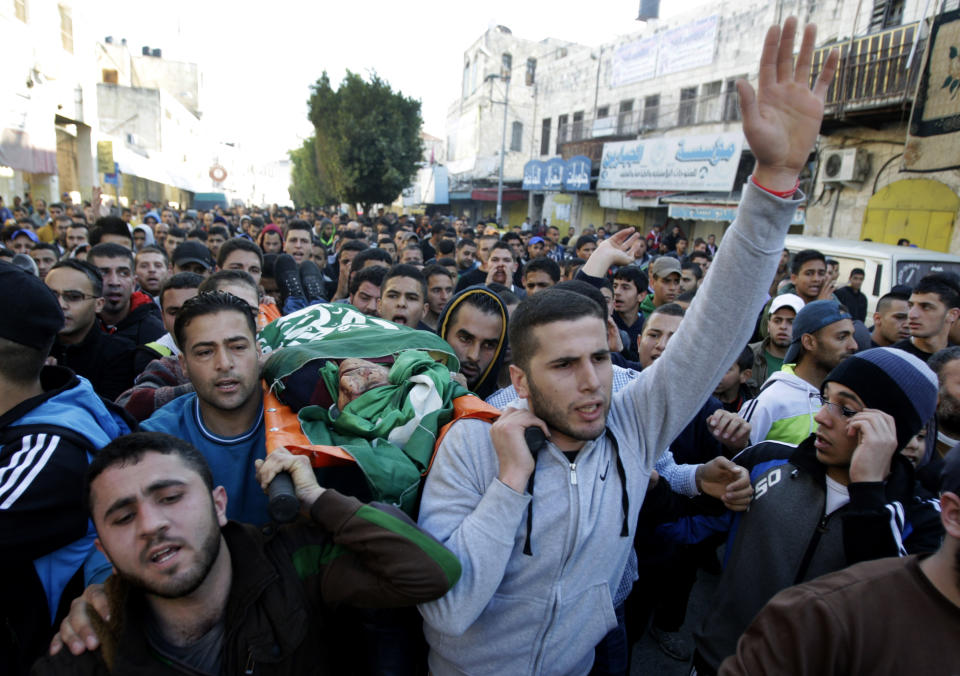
pixel 259 59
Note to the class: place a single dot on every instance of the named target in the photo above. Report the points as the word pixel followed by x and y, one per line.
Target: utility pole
pixel 505 67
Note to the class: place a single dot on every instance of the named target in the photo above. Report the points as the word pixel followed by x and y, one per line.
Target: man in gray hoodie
pixel 543 538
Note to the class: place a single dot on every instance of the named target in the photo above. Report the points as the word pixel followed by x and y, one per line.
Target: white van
pixel 884 265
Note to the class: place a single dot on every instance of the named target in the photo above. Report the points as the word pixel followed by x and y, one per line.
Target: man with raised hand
pixel 543 540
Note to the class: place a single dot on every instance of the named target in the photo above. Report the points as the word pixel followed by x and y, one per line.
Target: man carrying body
pixel 768 353
pixel 665 282
pixel 193 593
pixel 540 564
pixel 474 324
pixel 784 409
pixel 51 422
pixel 131 314
pixel 365 288
pixel 890 320
pixel 934 307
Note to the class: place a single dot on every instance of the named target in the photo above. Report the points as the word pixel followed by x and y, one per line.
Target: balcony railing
pixel 720 107
pixel 873 71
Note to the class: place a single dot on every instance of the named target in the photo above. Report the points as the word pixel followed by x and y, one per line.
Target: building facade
pixel 657 113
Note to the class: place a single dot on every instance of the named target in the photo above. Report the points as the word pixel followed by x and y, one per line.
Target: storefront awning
pixel 490 195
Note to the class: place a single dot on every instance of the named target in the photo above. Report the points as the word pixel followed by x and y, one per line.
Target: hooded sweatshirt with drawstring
pixel 487 383
pixel 783 410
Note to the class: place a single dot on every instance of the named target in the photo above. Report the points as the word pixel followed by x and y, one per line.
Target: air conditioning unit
pixel 845 165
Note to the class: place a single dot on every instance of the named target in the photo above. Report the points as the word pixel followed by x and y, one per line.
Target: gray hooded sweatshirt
pixel 543 613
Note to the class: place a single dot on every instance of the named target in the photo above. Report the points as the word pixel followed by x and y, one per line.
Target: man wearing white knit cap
pixel 844 495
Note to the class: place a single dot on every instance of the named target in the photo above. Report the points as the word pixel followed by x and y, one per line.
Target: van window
pixel 911 272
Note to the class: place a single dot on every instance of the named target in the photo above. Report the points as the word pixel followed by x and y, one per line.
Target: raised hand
pixel 620 249
pixel 781 119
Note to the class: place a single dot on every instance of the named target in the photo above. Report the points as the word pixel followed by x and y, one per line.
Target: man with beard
pixel 842 623
pixel 543 527
pixel 474 324
pixel 784 409
pixel 194 593
pixel 768 353
pixel 466 255
pixel 128 313
pixel 946 364
pixel 890 320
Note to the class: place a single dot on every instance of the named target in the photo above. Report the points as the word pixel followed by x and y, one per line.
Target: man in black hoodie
pixel 474 323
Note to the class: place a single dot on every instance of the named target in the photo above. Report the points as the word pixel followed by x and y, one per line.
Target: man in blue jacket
pixel 51 424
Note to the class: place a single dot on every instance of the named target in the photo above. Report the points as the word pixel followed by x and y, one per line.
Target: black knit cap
pixel 29 312
pixel 893 381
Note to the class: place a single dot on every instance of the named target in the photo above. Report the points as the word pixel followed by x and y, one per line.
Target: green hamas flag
pixel 338 331
pixel 390 430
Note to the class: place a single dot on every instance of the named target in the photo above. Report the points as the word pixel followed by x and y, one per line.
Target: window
pixel 561 131
pixel 578 126
pixel 624 117
pixel 687 113
pixel 651 111
pixel 466 79
pixel 603 111
pixel 506 65
pixel 66 28
pixel 731 101
pixel 110 75
pixel 545 137
pixel 531 71
pixel 20 10
pixel 710 103
pixel 886 13
pixel 516 136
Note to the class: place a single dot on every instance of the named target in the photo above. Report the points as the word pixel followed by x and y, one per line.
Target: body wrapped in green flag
pixel 390 429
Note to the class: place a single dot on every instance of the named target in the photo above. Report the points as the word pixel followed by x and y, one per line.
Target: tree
pixel 306 189
pixel 367 143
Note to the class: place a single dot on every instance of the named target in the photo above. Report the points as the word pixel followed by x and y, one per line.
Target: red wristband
pixel 778 193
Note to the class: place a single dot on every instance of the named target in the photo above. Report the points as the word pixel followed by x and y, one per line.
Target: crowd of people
pixel 649 400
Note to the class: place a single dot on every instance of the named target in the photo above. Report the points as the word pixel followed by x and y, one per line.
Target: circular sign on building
pixel 218 173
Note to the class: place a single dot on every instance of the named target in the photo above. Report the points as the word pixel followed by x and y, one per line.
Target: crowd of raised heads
pixel 514 447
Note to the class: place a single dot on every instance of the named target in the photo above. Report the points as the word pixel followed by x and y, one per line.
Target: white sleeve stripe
pixel 26 446
pixel 34 471
pixel 896 525
pixel 29 445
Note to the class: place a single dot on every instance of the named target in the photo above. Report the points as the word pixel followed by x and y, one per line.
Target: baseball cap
pixel 29 233
pixel 535 240
pixel 37 312
pixel 787 300
pixel 193 252
pixel 811 318
pixel 663 266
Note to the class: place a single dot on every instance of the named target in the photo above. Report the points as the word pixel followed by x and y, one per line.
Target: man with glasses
pixel 844 495
pixel 106 360
pixel 783 410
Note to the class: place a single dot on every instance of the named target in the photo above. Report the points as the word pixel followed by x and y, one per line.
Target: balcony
pixel 873 77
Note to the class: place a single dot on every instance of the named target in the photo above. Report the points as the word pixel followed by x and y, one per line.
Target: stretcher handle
pixel 283 503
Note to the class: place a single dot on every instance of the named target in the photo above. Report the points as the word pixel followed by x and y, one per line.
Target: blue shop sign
pixel 576 175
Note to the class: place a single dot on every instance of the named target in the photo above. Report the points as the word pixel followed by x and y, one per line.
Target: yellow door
pixel 921 210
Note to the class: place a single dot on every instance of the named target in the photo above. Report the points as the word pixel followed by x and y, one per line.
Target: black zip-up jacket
pixel 287 582
pixel 106 360
pixel 785 538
